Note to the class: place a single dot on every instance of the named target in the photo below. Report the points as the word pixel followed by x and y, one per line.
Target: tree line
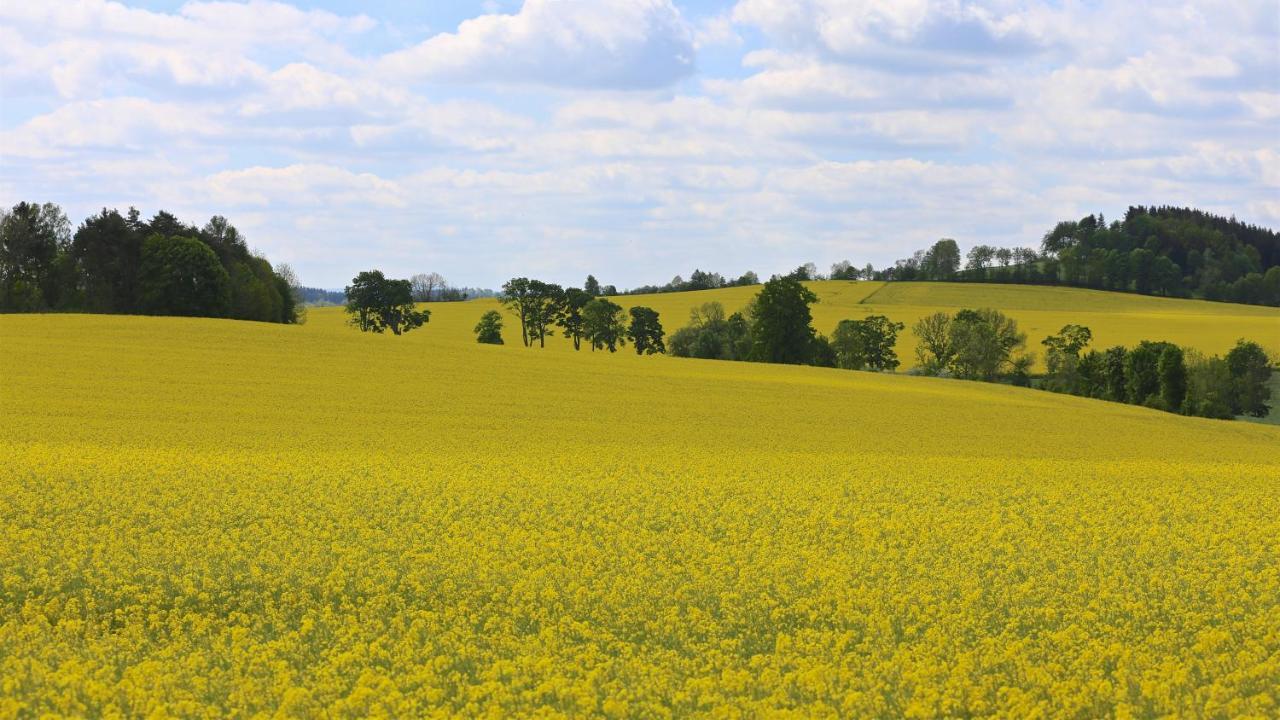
pixel 1169 251
pixel 776 326
pixel 541 307
pixel 115 263
pixel 984 345
pixel 1161 375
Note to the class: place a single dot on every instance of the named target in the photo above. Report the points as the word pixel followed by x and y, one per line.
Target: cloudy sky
pixel 636 139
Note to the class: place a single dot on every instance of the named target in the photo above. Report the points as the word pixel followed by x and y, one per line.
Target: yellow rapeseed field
pixel 1115 318
pixel 205 518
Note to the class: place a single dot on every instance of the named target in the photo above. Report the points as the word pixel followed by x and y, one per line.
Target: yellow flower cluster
pixel 205 518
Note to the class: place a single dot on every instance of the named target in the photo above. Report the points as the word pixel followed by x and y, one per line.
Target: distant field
pixel 208 518
pixel 1114 318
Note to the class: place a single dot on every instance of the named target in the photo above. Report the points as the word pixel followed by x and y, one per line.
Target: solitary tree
pixel 377 303
pixel 592 286
pixel 645 331
pixel 603 324
pixel 489 329
pixel 780 322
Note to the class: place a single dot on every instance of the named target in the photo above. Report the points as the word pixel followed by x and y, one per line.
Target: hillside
pixel 1114 318
pixel 210 517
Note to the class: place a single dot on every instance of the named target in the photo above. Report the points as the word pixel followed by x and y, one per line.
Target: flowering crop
pixel 209 518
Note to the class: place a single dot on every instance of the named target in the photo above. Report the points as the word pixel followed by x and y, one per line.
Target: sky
pixel 636 139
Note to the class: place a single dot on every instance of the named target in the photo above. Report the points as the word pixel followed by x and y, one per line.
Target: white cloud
pixel 572 43
pixel 117 125
pixel 307 185
pixel 88 48
pixel 570 136
pixel 909 35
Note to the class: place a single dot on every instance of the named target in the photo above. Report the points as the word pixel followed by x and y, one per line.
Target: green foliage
pixel 984 343
pixel 710 335
pixel 1210 387
pixel 1172 369
pixel 604 325
pixel 645 331
pixel 1142 373
pixel 1115 383
pixel 517 297
pixel 489 329
pixel 537 304
pixel 866 344
pixel 570 318
pixel 181 276
pixel 823 353
pixel 545 303
pixel 32 238
pixel 1062 359
pixel 980 344
pixel 1250 370
pixel 942 261
pixel 101 267
pixel 377 303
pixel 933 343
pixel 781 322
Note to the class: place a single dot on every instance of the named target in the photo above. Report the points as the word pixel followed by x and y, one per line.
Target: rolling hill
pixel 206 517
pixel 1114 318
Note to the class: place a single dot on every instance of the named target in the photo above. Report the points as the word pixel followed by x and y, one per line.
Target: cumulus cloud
pixel 572 43
pixel 906 35
pixel 88 48
pixel 574 136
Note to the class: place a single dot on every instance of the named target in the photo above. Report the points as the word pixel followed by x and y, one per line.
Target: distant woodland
pixel 115 263
pixel 1176 252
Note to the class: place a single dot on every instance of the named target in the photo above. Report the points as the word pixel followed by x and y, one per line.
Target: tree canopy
pixel 781 328
pixel 377 303
pixel 113 263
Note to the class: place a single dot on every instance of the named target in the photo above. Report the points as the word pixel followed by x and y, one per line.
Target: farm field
pixel 212 518
pixel 1115 318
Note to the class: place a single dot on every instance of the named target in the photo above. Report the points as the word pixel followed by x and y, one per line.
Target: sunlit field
pixel 1114 318
pixel 211 518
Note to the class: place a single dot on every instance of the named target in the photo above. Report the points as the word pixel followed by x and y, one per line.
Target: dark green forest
pixel 1170 251
pixel 115 263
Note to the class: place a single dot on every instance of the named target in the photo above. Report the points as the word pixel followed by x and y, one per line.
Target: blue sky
pixel 636 139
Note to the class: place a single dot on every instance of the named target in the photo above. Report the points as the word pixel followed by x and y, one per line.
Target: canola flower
pixel 205 518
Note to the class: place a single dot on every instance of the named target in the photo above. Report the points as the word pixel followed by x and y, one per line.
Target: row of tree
pixel 541 307
pixel 698 280
pixel 116 263
pixel 1175 252
pixel 776 327
pixel 981 344
pixel 1161 375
